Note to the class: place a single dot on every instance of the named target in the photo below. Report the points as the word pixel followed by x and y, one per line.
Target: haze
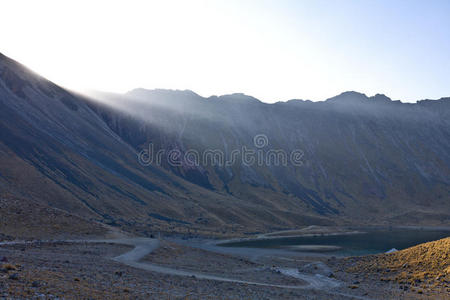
pixel 273 50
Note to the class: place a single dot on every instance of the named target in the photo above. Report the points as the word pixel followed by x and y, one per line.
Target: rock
pixel 316 268
pixel 35 284
pixel 391 251
pixel 14 276
pixel 9 267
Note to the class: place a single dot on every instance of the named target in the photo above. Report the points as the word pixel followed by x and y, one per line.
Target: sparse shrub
pixel 9 267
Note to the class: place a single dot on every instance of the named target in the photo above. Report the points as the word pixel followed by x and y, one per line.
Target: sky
pixel 274 50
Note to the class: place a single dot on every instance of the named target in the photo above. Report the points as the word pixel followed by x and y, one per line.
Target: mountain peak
pixel 349 97
pixel 381 98
pixel 238 97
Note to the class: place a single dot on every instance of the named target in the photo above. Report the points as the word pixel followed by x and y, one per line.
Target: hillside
pixel 365 160
pixel 27 220
pixel 424 268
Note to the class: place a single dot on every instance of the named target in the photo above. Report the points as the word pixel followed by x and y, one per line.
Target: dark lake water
pixel 367 242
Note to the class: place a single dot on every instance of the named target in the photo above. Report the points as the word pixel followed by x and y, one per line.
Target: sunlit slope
pixel 424 266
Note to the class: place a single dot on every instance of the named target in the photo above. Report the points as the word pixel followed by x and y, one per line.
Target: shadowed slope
pixel 367 159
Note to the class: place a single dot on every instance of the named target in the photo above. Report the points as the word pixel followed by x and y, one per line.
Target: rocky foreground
pixel 86 270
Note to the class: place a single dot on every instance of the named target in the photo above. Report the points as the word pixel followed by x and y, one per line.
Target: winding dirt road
pixel 144 246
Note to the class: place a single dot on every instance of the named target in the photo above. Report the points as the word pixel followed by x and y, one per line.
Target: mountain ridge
pixel 380 97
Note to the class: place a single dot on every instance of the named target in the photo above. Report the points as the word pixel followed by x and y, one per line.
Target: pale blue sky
pixel 273 50
pixel 401 48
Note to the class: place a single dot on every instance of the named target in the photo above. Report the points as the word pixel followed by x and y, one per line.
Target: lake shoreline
pixel 328 231
pixel 311 239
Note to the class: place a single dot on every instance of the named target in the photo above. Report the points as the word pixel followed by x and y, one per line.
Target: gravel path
pixel 144 246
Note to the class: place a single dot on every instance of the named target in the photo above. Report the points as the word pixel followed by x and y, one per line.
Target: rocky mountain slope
pixel 56 150
pixel 363 160
pixel 21 218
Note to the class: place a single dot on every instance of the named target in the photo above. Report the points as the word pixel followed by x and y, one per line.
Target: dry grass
pixel 425 266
